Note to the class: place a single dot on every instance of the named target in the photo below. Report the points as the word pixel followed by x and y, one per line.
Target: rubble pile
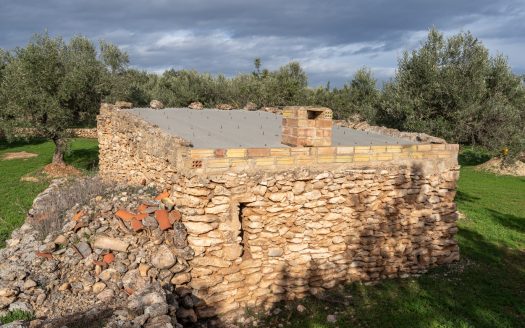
pixel 124 251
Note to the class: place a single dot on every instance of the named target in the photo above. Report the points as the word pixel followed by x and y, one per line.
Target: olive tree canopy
pixel 454 89
pixel 50 86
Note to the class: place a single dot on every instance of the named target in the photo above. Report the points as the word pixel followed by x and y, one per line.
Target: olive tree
pixel 50 86
pixel 454 89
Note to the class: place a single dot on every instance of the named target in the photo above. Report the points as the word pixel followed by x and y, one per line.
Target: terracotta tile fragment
pixel 79 226
pixel 46 255
pixel 142 208
pixel 128 290
pixel 100 263
pixel 136 225
pixel 141 216
pixel 108 258
pixel 162 195
pixel 174 216
pixel 77 216
pixel 162 218
pixel 124 215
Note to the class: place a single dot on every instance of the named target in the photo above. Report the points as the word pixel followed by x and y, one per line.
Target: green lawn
pixel 485 289
pixel 16 196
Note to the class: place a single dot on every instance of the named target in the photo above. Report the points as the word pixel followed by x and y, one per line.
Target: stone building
pixel 281 206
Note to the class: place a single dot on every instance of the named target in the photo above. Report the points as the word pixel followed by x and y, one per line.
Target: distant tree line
pixel 450 88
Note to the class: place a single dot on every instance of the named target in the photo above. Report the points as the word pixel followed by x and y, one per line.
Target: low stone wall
pixel 412 136
pixel 133 151
pixel 265 233
pixel 260 238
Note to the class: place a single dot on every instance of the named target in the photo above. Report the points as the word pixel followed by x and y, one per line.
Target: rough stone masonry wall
pixel 267 233
pixel 133 151
pixel 260 238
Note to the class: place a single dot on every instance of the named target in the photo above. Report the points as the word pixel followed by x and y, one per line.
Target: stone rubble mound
pixel 196 105
pixel 357 123
pixel 123 253
pixel 224 107
pixel 156 104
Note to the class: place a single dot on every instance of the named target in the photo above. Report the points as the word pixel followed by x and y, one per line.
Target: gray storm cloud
pixel 331 39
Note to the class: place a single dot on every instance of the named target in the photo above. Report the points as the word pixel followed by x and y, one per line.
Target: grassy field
pixel 485 289
pixel 17 196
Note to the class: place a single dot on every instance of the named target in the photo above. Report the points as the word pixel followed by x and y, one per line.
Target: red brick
pixel 324 123
pixel 219 152
pixel 258 152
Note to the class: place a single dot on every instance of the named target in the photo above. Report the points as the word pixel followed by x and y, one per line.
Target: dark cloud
pixel 330 38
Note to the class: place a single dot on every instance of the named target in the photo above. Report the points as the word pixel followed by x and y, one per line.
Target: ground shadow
pixel 85 158
pixel 464 197
pixel 4 144
pixel 509 221
pixel 484 289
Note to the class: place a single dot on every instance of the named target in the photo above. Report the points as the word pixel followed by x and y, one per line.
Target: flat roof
pixel 213 128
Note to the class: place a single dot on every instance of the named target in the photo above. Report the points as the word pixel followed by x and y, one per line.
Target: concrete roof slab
pixel 213 128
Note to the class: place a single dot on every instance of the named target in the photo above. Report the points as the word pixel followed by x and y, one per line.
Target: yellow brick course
pixel 240 158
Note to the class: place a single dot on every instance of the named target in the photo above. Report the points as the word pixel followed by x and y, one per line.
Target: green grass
pixel 485 289
pixel 14 316
pixel 17 196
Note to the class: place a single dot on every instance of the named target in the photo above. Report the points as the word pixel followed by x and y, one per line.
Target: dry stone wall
pixel 261 238
pixel 133 151
pixel 265 233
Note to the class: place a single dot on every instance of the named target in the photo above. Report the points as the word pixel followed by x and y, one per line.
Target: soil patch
pixel 494 166
pixel 18 155
pixel 61 170
pixel 29 178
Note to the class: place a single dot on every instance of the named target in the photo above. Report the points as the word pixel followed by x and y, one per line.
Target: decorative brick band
pixel 213 160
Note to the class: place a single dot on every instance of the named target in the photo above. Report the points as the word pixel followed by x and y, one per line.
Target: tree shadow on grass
pixel 85 158
pixel 484 289
pixel 463 197
pixel 4 144
pixel 509 221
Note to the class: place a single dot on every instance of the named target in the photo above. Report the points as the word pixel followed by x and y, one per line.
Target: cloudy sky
pixel 330 38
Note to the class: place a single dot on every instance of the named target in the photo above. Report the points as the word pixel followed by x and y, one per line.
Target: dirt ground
pixel 494 166
pixel 18 155
pixel 61 170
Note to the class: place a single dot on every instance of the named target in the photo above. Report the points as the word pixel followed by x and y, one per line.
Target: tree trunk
pixel 60 148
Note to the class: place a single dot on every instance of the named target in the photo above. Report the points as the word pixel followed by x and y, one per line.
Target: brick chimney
pixel 306 126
